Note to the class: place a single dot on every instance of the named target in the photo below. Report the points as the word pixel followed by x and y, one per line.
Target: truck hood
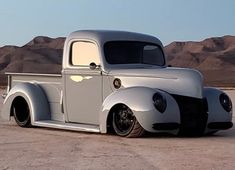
pixel 179 81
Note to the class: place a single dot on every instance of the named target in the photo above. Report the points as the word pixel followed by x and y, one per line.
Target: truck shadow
pixel 221 134
pixel 60 132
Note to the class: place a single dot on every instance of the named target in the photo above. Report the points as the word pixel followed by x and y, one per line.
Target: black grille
pixel 193 115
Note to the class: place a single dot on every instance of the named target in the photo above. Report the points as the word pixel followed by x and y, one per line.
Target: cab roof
pixel 102 36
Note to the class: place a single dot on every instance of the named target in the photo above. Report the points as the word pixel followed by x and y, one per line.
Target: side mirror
pixel 93 66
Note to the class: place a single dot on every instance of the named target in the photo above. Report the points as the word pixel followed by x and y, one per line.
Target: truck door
pixel 83 85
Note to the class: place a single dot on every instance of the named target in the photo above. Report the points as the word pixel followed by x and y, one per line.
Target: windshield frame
pixel 130 41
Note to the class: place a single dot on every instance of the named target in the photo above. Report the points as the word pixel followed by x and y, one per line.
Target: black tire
pixel 125 123
pixel 21 112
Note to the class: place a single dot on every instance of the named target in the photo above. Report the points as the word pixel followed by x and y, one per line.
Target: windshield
pixel 131 52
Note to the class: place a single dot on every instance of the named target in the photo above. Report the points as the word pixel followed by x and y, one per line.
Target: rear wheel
pixel 21 112
pixel 125 123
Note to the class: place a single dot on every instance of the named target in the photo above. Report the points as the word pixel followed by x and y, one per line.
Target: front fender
pixel 35 97
pixel 216 113
pixel 139 100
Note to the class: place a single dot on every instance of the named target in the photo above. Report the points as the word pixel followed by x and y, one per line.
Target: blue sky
pixel 169 20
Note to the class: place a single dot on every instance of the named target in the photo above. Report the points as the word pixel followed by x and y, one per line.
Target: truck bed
pixel 50 83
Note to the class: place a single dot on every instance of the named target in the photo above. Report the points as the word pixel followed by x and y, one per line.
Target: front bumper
pixel 220 125
pixel 166 126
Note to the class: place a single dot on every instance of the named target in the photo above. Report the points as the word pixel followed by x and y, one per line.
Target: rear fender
pixel 35 97
pixel 139 100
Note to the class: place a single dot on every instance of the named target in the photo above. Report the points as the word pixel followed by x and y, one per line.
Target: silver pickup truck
pixel 114 81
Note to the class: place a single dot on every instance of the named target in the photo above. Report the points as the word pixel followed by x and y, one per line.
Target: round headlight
pixel 159 102
pixel 225 102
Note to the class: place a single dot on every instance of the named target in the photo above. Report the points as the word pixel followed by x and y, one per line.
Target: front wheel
pixel 125 123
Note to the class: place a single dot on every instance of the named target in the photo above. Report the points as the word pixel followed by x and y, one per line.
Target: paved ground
pixel 41 148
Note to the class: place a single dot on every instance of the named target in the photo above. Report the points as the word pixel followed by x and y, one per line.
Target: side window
pixel 84 53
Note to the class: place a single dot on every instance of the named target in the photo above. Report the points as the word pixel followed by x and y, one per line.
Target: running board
pixel 67 126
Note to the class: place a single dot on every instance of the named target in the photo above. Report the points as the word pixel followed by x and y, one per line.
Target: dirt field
pixel 41 148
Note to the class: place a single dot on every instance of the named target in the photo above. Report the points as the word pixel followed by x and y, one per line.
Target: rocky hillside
pixel 41 55
pixel 214 57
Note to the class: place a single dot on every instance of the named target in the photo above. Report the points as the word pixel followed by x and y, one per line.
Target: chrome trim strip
pixel 36 82
pixel 33 74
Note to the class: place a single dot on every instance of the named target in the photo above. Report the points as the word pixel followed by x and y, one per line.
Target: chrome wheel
pixel 125 123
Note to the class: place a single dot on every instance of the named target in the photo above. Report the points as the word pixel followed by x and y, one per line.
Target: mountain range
pixel 213 57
